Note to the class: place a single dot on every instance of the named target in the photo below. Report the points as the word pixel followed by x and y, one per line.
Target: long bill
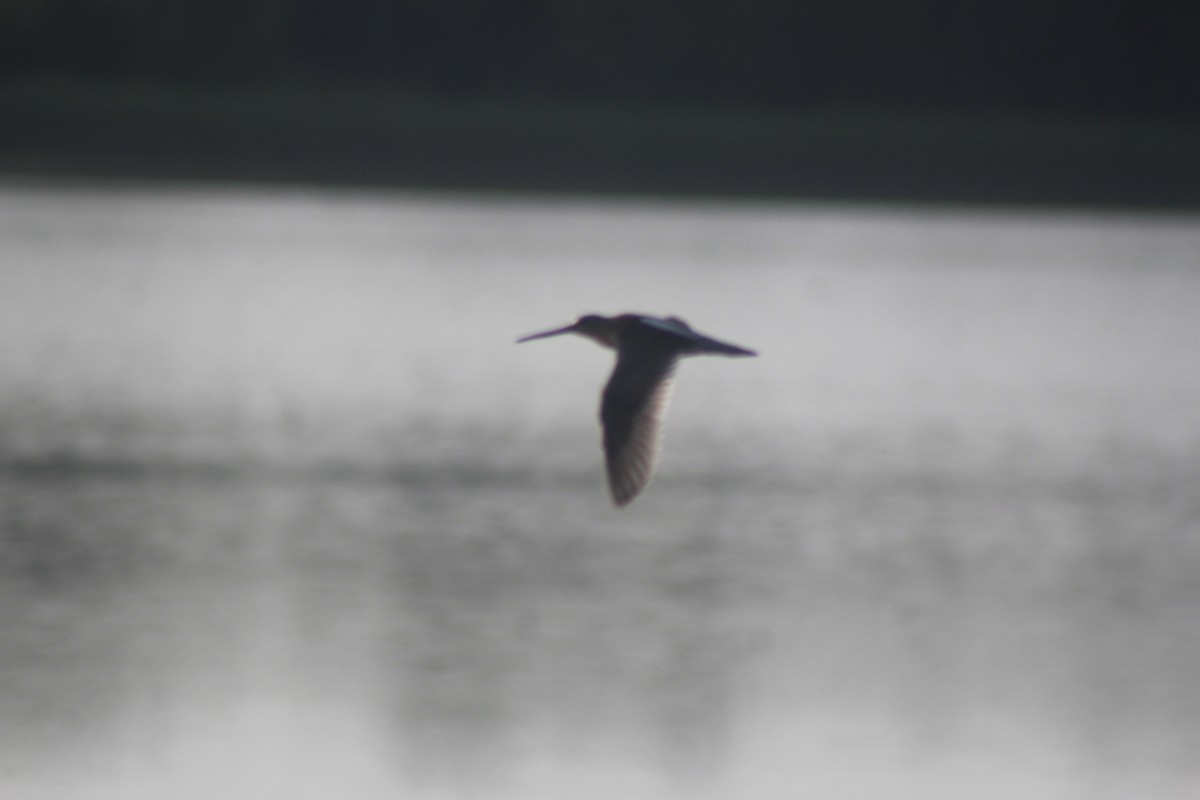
pixel 545 334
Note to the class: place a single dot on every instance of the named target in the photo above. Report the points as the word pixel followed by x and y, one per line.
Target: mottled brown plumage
pixel 636 396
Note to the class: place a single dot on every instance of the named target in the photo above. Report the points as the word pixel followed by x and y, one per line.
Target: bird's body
pixel 636 396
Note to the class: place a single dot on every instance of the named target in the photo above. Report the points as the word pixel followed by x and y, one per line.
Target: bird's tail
pixel 705 345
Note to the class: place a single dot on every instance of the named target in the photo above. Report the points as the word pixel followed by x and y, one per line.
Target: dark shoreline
pixel 375 139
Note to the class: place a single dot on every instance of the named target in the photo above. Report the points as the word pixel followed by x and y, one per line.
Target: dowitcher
pixel 635 398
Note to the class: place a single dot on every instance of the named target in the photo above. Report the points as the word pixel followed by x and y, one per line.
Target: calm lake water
pixel 284 512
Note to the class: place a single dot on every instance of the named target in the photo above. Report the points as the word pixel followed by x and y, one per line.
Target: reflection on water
pixel 310 636
pixel 309 531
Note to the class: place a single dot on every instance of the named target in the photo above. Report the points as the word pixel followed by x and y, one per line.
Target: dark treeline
pixel 1130 57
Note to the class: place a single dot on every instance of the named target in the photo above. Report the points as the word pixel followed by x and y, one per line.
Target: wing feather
pixel 631 412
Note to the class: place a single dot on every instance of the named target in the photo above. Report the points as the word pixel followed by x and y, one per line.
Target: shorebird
pixel 635 398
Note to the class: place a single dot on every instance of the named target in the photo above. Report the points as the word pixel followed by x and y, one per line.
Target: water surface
pixel 284 512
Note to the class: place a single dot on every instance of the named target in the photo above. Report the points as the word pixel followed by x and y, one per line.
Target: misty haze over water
pixel 285 512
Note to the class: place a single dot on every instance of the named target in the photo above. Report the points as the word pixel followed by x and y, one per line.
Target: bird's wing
pixel 672 325
pixel 631 412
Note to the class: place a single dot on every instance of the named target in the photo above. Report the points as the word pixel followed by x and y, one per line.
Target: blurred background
pixel 1056 101
pixel 285 512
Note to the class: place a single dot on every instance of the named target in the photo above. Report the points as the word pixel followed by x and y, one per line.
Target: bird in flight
pixel 635 398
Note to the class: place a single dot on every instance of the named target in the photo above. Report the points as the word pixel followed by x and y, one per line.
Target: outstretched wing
pixel 631 412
